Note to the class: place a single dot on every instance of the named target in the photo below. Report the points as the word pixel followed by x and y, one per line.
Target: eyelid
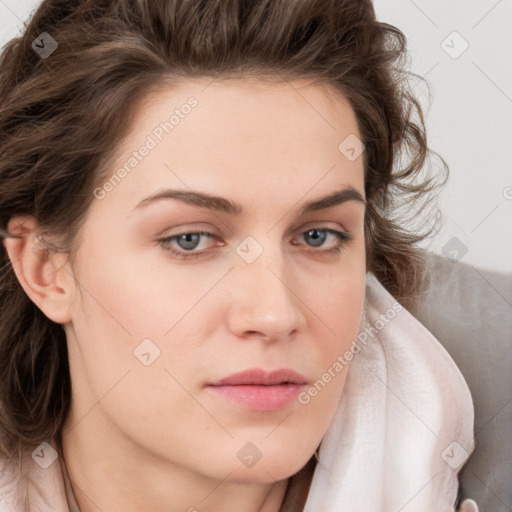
pixel 208 229
pixel 319 224
pixel 344 237
pixel 189 228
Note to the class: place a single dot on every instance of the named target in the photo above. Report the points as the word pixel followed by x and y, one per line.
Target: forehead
pixel 239 135
pixel 245 107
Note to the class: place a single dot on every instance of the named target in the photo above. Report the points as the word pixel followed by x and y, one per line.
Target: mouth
pixel 260 377
pixel 260 390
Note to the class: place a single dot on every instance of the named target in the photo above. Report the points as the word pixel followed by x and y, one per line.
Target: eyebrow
pixel 222 204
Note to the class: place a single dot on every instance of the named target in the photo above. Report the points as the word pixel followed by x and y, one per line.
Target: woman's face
pixel 270 286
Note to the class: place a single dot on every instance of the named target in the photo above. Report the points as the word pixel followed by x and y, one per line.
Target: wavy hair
pixel 63 116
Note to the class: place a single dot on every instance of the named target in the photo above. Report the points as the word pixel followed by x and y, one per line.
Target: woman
pixel 200 203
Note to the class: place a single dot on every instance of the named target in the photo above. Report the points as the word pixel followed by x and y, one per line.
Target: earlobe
pixel 45 283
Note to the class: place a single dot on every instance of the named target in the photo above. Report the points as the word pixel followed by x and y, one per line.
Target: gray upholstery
pixel 469 310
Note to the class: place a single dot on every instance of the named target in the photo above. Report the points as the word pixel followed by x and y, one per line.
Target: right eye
pixel 187 243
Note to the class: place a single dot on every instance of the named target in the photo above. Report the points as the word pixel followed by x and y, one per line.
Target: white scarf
pixel 402 430
pixel 404 424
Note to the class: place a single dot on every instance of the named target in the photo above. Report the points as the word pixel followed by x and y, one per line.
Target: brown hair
pixel 61 118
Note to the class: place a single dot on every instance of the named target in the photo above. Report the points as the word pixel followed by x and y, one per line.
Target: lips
pixel 259 377
pixel 260 390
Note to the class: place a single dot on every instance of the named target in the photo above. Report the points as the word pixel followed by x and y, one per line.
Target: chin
pixel 268 469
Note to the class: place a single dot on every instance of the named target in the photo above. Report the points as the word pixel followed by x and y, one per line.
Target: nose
pixel 264 302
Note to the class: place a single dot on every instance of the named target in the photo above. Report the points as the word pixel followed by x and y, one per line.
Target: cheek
pixel 120 325
pixel 343 308
pixel 338 308
pixel 135 311
pixel 128 293
pixel 336 304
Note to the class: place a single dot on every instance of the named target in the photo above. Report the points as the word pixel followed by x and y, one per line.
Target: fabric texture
pixel 401 433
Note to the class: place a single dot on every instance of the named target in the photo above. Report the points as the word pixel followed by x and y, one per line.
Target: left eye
pixel 188 242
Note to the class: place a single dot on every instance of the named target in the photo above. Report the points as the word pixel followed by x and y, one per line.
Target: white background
pixel 469 114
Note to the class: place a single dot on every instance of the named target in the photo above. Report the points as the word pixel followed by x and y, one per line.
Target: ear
pixel 40 272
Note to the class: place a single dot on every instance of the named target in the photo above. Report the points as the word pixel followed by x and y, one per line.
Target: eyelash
pixel 343 237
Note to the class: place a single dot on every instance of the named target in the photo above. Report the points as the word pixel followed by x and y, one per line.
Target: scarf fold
pixel 402 430
pixel 404 425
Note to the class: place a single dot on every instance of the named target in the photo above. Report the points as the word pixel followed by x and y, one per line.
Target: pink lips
pixel 260 390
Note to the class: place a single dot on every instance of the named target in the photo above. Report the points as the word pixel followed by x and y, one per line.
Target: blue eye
pixel 318 236
pixel 189 241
